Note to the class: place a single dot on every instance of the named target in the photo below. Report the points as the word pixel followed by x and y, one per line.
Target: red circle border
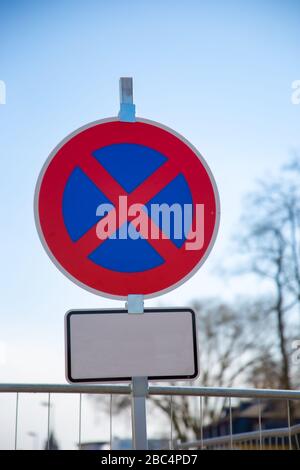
pixel 50 224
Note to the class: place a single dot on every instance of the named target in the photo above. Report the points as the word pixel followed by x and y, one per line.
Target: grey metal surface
pixel 259 424
pixel 224 392
pixel 230 422
pixel 64 388
pixel 126 90
pixel 139 421
pixel 201 420
pixel 110 421
pixel 79 421
pixel 135 303
pixel 139 388
pixel 289 424
pixel 16 420
pixel 48 421
pixel 171 422
pixel 125 389
pixel 127 108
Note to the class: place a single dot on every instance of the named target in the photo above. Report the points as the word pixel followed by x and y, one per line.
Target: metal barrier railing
pixel 268 438
pixel 254 439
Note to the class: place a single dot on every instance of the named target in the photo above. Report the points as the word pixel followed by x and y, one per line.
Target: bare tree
pixel 232 343
pixel 271 246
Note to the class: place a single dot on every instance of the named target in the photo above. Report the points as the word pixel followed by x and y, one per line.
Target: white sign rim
pixel 74 279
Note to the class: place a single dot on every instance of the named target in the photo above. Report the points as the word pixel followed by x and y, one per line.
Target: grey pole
pixel 135 302
pixel 135 306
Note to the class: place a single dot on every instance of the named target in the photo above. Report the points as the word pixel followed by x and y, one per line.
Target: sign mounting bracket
pixel 127 108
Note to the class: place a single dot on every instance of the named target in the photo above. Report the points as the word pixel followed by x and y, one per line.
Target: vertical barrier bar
pixel 171 422
pixel 201 421
pixel 259 424
pixel 110 422
pixel 16 420
pixel 79 423
pixel 269 443
pixel 48 427
pixel 289 423
pixel 297 442
pixel 230 423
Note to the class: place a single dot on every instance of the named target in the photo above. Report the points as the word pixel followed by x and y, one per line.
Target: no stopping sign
pixel 125 208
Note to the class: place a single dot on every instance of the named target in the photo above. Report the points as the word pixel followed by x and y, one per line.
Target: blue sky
pixel 218 73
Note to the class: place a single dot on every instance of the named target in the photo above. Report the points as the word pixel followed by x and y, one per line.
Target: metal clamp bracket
pixel 139 386
pixel 127 108
pixel 135 303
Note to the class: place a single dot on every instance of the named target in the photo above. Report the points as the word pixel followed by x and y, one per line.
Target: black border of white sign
pixel 68 344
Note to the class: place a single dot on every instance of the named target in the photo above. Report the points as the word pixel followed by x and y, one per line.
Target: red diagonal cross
pixel 141 195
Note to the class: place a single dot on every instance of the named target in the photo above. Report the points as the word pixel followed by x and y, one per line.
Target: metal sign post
pixel 135 306
pixel 135 303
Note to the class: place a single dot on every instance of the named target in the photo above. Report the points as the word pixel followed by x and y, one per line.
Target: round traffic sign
pixel 126 208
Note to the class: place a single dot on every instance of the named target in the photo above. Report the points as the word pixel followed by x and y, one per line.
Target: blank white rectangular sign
pixel 113 345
